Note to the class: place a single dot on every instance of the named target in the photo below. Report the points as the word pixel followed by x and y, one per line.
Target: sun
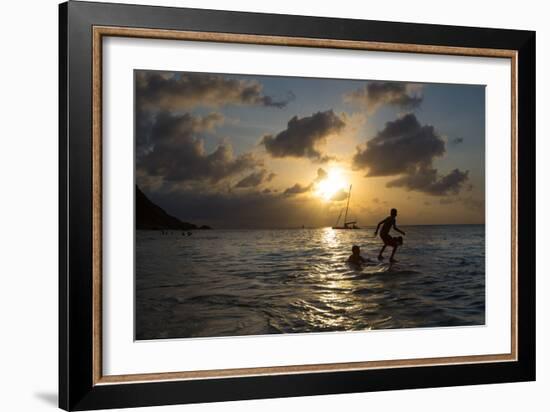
pixel 331 184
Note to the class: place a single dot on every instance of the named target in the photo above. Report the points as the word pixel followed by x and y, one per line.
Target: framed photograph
pixel 257 205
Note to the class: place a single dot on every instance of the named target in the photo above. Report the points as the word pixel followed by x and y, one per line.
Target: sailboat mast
pixel 339 216
pixel 347 206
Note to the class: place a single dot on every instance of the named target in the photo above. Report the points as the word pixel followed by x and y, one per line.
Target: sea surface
pixel 255 282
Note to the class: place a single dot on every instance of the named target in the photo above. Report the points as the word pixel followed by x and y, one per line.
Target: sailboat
pixel 347 225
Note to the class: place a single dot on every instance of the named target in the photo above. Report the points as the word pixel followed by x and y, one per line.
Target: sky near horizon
pixel 250 151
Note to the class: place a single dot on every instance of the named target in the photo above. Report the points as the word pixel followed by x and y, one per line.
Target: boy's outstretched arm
pixel 378 227
pixel 397 229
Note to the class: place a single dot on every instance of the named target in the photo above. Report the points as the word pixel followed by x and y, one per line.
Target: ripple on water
pixel 295 281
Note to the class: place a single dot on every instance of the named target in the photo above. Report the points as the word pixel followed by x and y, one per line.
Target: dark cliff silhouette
pixel 150 216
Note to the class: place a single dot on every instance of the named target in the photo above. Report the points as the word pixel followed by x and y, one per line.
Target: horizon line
pixel 323 227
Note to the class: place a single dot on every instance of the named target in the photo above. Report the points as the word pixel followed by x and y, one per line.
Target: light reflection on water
pixel 228 283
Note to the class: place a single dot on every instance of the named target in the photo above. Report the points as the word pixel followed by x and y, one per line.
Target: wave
pixel 251 282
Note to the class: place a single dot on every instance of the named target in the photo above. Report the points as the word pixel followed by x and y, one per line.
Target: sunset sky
pixel 235 151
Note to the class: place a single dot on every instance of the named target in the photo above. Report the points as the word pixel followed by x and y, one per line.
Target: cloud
pixel 469 202
pixel 243 209
pixel 402 144
pixel 376 94
pixel 179 91
pixel 473 203
pixel 321 174
pixel 447 201
pixel 407 148
pixel 339 196
pixel 255 179
pixel 427 180
pixel 303 135
pixel 297 189
pixel 177 152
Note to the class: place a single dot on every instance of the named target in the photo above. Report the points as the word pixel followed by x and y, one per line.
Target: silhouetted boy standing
pixel 387 224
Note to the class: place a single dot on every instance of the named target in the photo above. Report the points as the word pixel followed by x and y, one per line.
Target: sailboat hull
pixel 347 225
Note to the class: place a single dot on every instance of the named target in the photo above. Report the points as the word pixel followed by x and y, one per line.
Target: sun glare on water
pixel 333 183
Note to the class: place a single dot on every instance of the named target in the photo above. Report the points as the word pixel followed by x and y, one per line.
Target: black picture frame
pixel 77 390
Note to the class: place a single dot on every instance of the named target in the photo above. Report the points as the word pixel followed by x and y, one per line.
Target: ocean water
pixel 255 282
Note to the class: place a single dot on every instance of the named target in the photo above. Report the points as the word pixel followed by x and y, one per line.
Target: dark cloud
pixel 297 189
pixel 402 144
pixel 255 179
pixel 407 148
pixel 143 126
pixel 469 202
pixel 243 209
pixel 303 135
pixel 321 174
pixel 427 180
pixel 176 152
pixel 179 91
pixel 449 183
pixel 376 94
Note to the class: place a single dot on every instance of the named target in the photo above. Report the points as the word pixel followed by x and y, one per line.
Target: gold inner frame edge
pixel 98 32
